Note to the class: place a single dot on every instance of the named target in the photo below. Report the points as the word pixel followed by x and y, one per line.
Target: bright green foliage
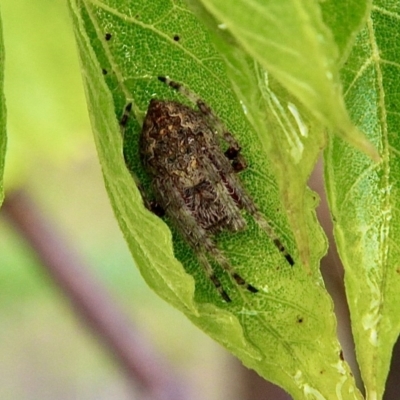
pixel 3 134
pixel 290 40
pixel 287 331
pixel 365 197
pixel 345 18
pixel 284 127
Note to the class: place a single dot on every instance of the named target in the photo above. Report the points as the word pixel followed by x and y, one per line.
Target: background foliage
pixel 329 70
pixel 47 352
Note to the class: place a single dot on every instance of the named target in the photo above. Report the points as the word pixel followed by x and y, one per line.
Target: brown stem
pixel 142 364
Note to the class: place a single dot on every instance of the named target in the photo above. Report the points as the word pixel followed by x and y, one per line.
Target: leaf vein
pixel 388 62
pixel 161 34
pixel 359 74
pixel 354 185
pixel 385 12
pixel 386 210
pixel 395 151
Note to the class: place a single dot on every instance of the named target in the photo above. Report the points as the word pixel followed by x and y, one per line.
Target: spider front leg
pixel 150 204
pixel 233 152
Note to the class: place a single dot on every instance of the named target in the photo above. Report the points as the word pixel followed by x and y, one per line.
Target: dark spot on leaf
pixel 104 71
pixel 176 38
pixel 107 36
pixel 341 355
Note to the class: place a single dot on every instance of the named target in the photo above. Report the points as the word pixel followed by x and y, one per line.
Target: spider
pixel 194 182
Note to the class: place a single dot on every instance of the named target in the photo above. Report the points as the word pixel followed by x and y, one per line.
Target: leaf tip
pixel 368 148
pixel 357 138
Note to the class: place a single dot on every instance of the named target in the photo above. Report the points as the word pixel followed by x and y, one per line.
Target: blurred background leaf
pixel 3 116
pixel 46 351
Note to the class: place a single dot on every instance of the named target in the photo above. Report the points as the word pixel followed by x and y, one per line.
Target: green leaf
pixel 290 40
pixel 291 138
pixel 286 332
pixel 364 196
pixel 3 117
pixel 345 18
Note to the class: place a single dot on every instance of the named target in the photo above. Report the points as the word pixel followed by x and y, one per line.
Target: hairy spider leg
pixel 233 152
pixel 266 227
pixel 238 163
pixel 201 243
pixel 211 275
pixel 227 193
pixel 245 201
pixel 221 260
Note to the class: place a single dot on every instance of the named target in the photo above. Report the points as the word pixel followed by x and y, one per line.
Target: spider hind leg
pixel 213 278
pixel 224 263
pixel 218 256
pixel 267 228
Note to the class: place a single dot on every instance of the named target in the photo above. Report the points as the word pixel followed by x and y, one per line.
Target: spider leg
pixel 239 194
pixel 266 227
pixel 211 275
pixel 223 262
pixel 238 162
pixel 201 242
pixel 204 246
pixel 214 168
pixel 247 203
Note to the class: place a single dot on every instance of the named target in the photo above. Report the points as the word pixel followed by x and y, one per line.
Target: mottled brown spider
pixel 194 181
